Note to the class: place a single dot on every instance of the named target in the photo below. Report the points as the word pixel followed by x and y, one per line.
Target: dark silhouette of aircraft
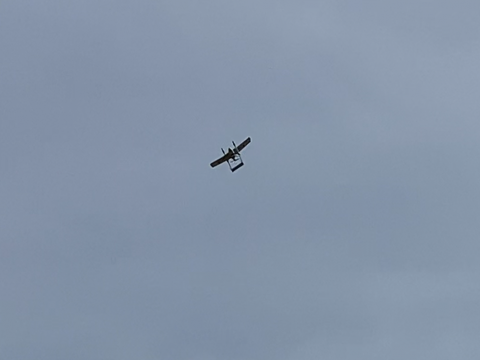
pixel 232 156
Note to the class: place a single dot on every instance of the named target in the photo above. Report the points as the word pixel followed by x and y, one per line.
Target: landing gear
pixel 235 162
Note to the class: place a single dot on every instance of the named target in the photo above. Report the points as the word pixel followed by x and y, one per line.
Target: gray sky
pixel 352 232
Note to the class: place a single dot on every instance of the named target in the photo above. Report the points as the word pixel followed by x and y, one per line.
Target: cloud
pixel 351 229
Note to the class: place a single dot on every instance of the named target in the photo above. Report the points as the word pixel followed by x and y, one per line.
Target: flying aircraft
pixel 232 156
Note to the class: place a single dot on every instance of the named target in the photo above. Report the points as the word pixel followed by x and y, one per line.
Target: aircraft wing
pixel 243 144
pixel 221 160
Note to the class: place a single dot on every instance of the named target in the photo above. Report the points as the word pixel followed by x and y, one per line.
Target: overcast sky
pixel 352 231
